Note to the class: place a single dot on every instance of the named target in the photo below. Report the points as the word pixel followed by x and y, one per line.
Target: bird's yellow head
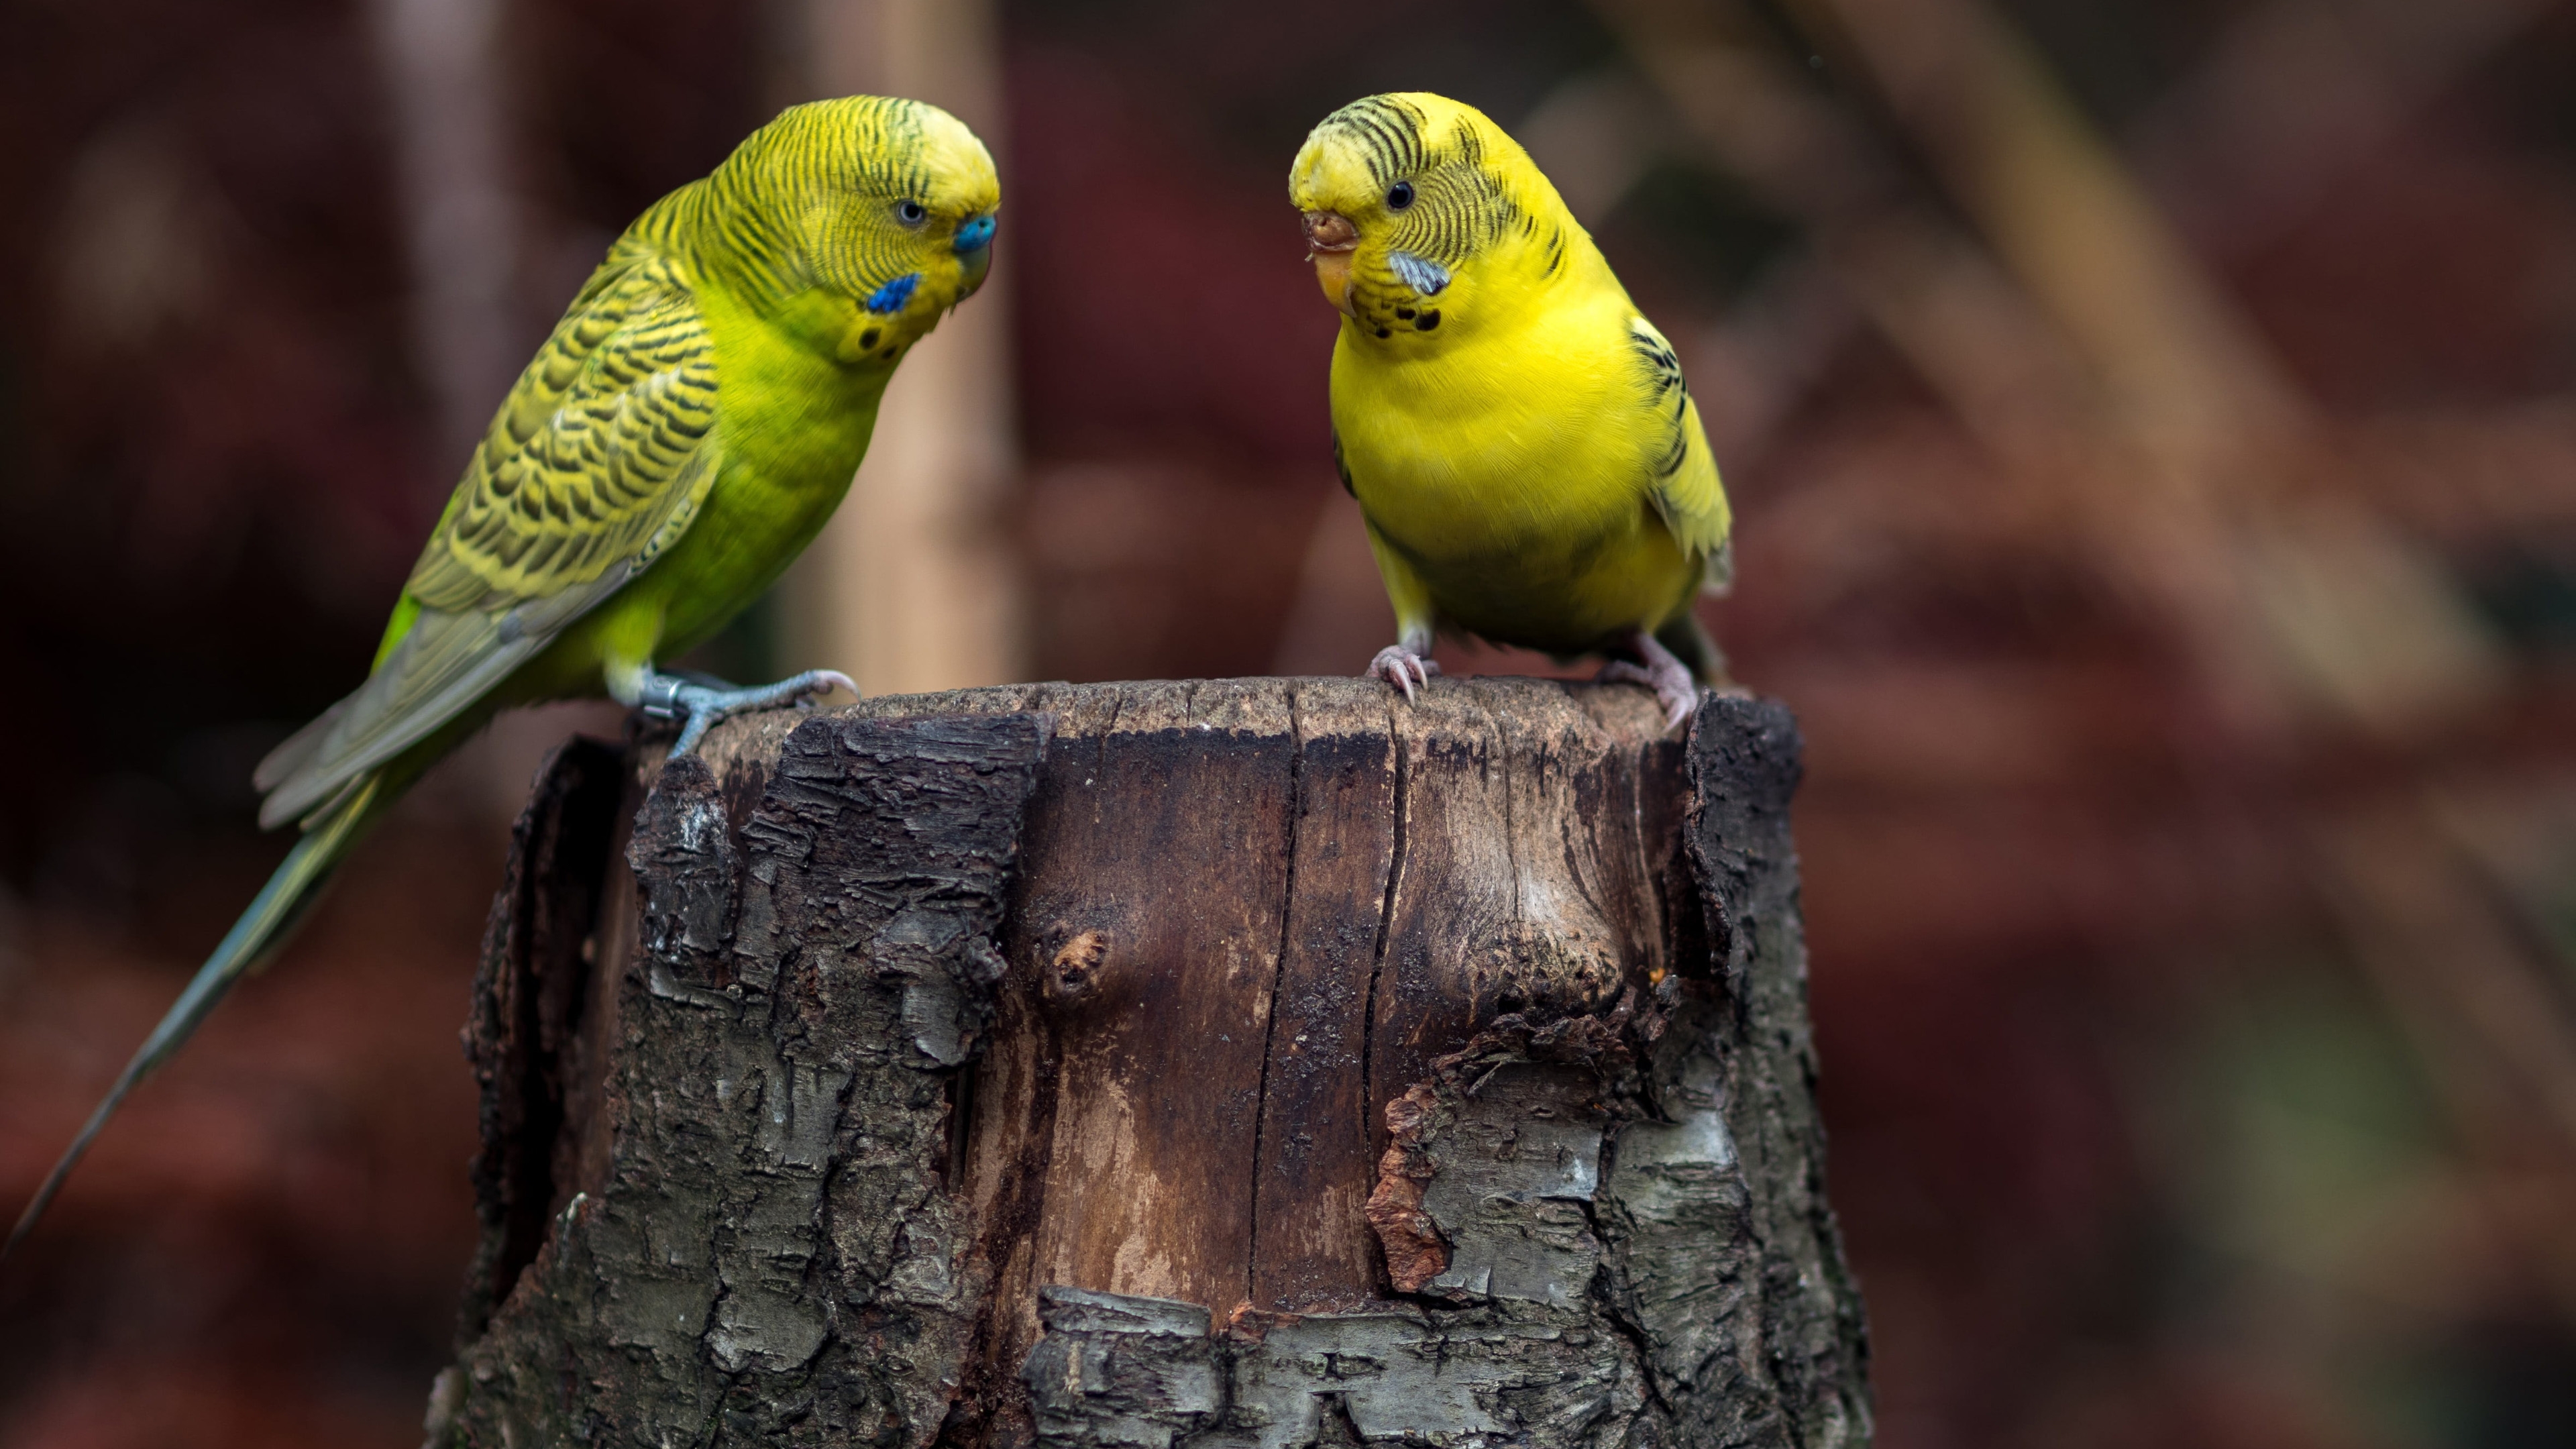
pixel 887 205
pixel 1412 202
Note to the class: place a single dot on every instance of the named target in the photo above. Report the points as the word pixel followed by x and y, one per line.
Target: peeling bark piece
pixel 683 856
pixel 1415 1251
pixel 934 1071
pixel 1121 1370
pixel 1513 1175
pixel 1383 1376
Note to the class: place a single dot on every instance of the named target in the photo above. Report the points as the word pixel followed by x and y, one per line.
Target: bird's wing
pixel 1684 484
pixel 596 463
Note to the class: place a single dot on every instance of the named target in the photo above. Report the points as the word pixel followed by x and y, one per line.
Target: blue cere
pixel 892 296
pixel 1422 275
pixel 976 235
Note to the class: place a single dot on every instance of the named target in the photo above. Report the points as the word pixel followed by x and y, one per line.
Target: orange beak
pixel 1329 240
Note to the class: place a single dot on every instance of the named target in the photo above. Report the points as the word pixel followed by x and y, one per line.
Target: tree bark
pixel 1240 1063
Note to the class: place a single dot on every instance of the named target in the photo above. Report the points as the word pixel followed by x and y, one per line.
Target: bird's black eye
pixel 911 212
pixel 1399 196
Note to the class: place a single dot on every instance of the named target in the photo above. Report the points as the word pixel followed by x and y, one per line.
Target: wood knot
pixel 1076 967
pixel 1416 1253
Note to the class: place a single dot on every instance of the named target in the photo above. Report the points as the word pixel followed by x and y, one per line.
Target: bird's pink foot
pixel 1403 668
pixel 1659 671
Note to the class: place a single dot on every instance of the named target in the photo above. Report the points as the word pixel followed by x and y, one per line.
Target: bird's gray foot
pixel 700 706
pixel 1659 670
pixel 1402 667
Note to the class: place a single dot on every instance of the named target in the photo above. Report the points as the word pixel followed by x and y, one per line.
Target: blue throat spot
pixel 1421 274
pixel 893 295
pixel 975 235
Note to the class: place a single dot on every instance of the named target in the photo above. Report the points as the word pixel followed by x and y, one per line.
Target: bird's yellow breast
pixel 1511 467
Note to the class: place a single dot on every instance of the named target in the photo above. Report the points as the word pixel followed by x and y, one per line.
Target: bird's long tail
pixel 263 928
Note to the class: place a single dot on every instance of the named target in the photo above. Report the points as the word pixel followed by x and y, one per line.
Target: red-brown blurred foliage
pixel 2194 988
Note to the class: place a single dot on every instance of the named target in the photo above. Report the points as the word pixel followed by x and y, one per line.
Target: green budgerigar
pixel 691 424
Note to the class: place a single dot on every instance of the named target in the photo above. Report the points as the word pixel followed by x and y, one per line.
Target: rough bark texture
pixel 1239 1063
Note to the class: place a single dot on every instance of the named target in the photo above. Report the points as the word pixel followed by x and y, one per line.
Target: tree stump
pixel 1224 1064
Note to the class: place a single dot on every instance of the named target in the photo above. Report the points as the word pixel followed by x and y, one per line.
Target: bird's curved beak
pixel 1329 240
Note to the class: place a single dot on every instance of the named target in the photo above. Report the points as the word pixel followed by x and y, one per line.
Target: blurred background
pixel 2152 427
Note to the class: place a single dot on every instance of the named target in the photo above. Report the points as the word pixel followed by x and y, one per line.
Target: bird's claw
pixel 1402 668
pixel 1668 677
pixel 701 707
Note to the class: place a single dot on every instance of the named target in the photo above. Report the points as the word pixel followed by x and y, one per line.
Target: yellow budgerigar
pixel 688 428
pixel 1529 462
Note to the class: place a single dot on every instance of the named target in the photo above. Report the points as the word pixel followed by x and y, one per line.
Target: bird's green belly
pixel 1551 548
pixel 1559 594
pixel 754 527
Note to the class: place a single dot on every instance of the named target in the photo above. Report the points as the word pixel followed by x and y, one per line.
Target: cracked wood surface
pixel 1230 1063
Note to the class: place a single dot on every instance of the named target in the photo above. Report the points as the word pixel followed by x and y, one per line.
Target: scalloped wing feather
pixel 580 470
pixel 597 462
pixel 1685 486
